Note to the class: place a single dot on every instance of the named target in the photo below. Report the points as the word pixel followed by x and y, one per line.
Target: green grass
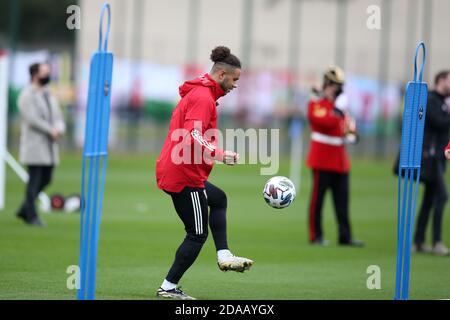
pixel 140 232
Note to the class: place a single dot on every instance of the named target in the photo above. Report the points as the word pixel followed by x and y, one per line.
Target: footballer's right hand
pixel 230 158
pixel 447 154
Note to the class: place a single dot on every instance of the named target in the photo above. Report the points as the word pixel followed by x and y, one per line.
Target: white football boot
pixel 231 262
pixel 175 293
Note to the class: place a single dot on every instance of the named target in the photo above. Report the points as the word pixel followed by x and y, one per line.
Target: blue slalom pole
pixel 95 158
pixel 409 170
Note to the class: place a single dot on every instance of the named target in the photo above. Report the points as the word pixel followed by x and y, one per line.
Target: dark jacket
pixel 436 134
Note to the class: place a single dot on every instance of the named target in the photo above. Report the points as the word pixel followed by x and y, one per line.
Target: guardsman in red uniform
pixel 330 129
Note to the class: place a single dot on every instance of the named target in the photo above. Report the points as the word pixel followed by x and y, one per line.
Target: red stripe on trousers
pixel 312 207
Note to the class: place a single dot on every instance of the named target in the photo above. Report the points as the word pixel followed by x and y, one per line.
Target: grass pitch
pixel 140 232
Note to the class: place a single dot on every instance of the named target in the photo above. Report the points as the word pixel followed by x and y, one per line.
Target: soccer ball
pixel 279 192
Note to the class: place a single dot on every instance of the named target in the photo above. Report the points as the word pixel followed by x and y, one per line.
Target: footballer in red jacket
pixel 331 129
pixel 183 167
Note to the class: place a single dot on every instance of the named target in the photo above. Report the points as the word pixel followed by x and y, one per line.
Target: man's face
pixel 228 79
pixel 42 77
pixel 44 71
pixel 333 90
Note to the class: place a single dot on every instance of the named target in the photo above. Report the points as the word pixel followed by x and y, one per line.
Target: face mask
pixel 338 92
pixel 44 81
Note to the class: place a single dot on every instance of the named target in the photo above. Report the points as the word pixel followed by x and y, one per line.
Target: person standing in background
pixel 42 127
pixel 437 125
pixel 328 159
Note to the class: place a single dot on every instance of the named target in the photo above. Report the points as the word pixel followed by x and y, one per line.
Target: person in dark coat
pixel 436 137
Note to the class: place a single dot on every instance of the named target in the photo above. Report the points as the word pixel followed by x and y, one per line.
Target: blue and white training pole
pixel 95 156
pixel 409 172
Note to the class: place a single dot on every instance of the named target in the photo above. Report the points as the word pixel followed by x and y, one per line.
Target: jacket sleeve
pixel 434 116
pixel 30 115
pixel 196 121
pixel 322 117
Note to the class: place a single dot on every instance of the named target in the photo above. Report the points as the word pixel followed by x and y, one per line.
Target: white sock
pixel 166 285
pixel 223 254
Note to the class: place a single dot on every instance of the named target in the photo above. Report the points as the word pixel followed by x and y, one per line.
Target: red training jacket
pixel 194 115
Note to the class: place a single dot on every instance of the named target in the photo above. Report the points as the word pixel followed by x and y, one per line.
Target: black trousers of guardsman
pixel 339 185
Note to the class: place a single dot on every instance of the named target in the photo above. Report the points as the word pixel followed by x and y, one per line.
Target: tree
pixel 31 23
